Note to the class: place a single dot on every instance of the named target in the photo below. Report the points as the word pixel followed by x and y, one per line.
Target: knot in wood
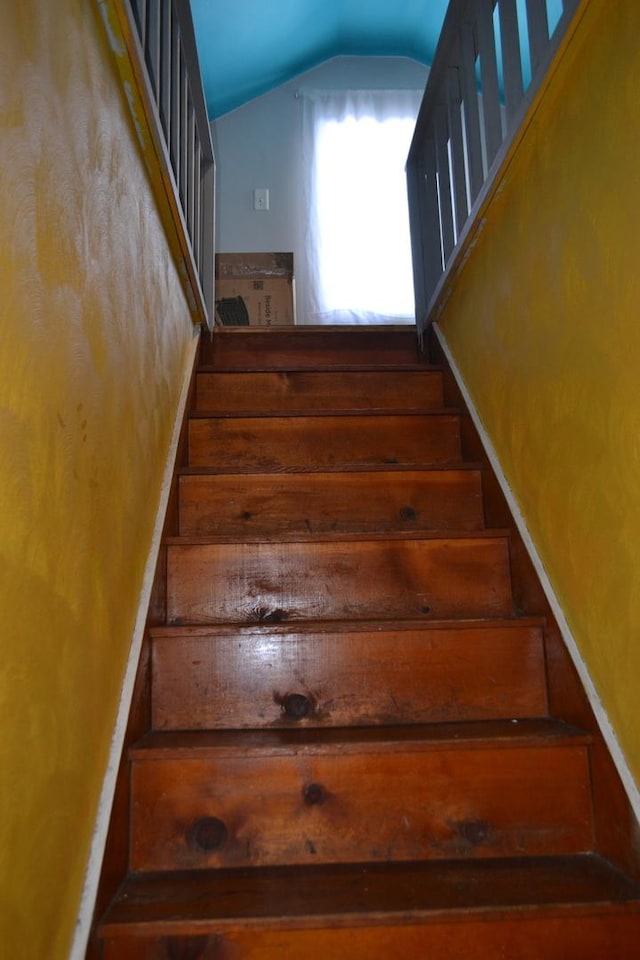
pixel 313 794
pixel 296 706
pixel 186 948
pixel 208 834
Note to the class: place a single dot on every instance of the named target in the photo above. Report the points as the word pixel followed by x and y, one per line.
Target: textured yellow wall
pixel 94 342
pixel 544 323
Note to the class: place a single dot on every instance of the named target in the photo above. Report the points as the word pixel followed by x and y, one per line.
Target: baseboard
pixel 101 826
pixel 600 714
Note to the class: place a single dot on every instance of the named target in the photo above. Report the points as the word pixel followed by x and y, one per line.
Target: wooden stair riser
pixel 328 806
pixel 308 349
pixel 242 506
pixel 310 390
pixel 264 444
pixel 267 678
pixel 523 936
pixel 338 580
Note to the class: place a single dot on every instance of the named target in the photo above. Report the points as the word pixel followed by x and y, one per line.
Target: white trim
pixel 602 719
pixel 101 826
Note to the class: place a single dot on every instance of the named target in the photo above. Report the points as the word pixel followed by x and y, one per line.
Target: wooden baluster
pixel 489 73
pixel 511 57
pixel 164 99
pixel 417 225
pixel 152 47
pixel 174 110
pixel 459 178
pixel 538 24
pixel 139 8
pixel 441 128
pixel 471 109
pixel 196 239
pixel 184 128
pixel 431 237
pixel 190 167
pixel 207 250
pixel 568 7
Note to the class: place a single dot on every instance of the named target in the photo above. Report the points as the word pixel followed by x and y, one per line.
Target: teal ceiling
pixel 247 47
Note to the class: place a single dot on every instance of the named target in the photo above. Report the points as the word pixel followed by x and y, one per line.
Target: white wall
pixel 260 145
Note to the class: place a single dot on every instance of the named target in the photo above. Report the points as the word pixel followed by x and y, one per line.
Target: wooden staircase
pixel 353 751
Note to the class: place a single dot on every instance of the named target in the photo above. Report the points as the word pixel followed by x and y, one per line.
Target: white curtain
pixel 357 245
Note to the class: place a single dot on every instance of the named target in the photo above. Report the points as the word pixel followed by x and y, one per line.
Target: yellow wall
pixel 544 322
pixel 95 335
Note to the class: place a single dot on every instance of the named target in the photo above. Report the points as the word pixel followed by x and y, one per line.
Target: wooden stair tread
pixel 350 576
pixel 320 368
pixel 317 389
pixel 241 505
pixel 302 330
pixel 262 365
pixel 335 894
pixel 343 413
pixel 433 792
pixel 272 443
pixel 348 536
pixel 165 631
pixel 307 347
pixel 460 466
pixel 485 734
pixel 296 413
pixel 334 329
pixel 316 676
pixel 240 470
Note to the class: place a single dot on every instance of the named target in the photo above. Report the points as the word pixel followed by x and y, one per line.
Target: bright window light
pixel 364 250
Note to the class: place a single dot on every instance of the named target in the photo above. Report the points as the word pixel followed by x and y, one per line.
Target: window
pixel 358 237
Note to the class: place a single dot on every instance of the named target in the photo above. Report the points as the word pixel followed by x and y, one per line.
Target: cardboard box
pixel 255 289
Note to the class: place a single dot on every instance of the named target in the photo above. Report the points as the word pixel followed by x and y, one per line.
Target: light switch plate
pixel 261 198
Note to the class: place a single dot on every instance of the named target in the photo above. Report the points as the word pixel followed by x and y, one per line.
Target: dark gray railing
pixel 491 58
pixel 155 47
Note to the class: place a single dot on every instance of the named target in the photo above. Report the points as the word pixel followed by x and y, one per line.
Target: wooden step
pixel 351 755
pixel 304 390
pixel 392 577
pixel 261 505
pixel 524 909
pixel 344 674
pixel 323 441
pixel 446 791
pixel 309 347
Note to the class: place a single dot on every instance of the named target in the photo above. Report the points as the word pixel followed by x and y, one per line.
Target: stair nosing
pixel 356 537
pixel 324 368
pixel 359 915
pixel 284 366
pixel 357 920
pixel 282 470
pixel 342 413
pixel 465 466
pixel 509 734
pixel 408 329
pixel 346 626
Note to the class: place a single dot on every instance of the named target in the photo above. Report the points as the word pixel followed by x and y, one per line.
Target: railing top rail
pixel 155 49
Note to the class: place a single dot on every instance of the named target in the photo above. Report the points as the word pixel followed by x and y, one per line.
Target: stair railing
pixel 491 59
pixel 155 48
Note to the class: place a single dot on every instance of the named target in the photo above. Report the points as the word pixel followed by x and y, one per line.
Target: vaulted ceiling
pixel 247 47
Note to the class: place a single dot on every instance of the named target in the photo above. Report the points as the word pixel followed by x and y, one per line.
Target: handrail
pixel 491 59
pixel 155 49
